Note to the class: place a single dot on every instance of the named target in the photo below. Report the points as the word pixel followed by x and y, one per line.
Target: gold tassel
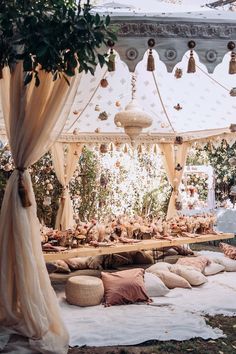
pixel 22 191
pixel 125 149
pixel 191 64
pixel 150 61
pixel 232 64
pixel 111 61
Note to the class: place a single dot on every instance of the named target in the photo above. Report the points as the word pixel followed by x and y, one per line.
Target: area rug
pixel 177 316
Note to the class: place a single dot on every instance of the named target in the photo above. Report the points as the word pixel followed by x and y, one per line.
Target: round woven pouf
pixel 84 290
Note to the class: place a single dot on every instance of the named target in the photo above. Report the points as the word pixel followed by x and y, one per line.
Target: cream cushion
pixel 229 264
pixel 213 268
pixel 84 290
pixel 172 280
pixel 159 266
pixel 193 276
pixel 154 286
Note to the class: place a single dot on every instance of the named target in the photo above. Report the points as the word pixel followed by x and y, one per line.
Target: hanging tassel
pixel 191 64
pixel 111 61
pixel 22 190
pixel 150 61
pixel 126 149
pixel 232 64
pixel 155 149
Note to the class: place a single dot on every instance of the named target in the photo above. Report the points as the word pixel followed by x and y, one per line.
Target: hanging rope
pixel 92 96
pixel 162 103
pixel 211 78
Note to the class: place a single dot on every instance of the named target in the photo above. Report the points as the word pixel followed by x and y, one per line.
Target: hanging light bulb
pixel 133 119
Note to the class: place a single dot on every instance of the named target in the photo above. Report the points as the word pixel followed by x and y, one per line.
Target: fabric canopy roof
pixel 206 105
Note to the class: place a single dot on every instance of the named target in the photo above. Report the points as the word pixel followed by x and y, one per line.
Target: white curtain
pixel 172 156
pixel 65 158
pixel 34 117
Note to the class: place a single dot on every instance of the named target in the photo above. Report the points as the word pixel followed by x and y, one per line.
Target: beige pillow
pixel 78 263
pixel 154 286
pixel 213 268
pixel 193 276
pixel 199 262
pixel 159 266
pixel 61 266
pixel 229 264
pixel 172 280
pixel 96 262
pixel 142 257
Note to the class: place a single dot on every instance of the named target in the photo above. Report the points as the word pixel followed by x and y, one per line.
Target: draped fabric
pixel 172 156
pixel 65 158
pixel 34 117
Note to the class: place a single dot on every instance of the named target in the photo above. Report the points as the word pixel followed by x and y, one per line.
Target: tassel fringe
pixel 150 61
pixel 191 64
pixel 232 64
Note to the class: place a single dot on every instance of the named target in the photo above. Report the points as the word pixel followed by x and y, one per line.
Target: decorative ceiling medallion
pixel 211 55
pixel 131 53
pixel 171 54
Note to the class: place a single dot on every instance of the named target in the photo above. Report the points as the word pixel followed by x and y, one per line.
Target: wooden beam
pixel 85 251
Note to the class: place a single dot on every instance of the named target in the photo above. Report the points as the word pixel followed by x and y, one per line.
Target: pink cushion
pixel 124 287
pixel 199 263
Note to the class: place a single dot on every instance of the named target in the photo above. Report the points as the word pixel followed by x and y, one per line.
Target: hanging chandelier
pixel 133 119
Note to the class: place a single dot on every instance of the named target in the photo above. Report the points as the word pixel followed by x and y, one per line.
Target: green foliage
pixel 52 35
pixel 200 182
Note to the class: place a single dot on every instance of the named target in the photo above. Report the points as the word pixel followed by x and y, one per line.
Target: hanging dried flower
pixel 178 73
pixel 103 116
pixel 104 83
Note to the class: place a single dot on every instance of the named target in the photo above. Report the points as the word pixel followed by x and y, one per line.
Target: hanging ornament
pixel 191 61
pixel 178 73
pixel 150 61
pixel 178 140
pixel 111 147
pixel 104 83
pixel 97 130
pixel 232 92
pixel 103 148
pixel 155 149
pixel 178 167
pixel 162 125
pixel 97 108
pixel 133 119
pixel 103 116
pixel 117 103
pixel 76 112
pixel 178 107
pixel 76 131
pixel 140 149
pixel 126 150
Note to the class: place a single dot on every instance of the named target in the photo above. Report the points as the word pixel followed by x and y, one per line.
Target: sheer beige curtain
pixel 173 155
pixel 65 158
pixel 34 116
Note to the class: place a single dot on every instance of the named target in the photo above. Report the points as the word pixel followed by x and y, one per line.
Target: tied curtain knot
pixel 22 190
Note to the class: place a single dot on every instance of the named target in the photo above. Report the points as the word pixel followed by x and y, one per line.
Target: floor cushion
pixel 154 285
pixel 199 262
pixel 172 280
pixel 124 287
pixel 213 268
pixel 193 276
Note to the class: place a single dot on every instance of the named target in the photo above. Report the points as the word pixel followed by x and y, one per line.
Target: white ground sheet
pixel 178 316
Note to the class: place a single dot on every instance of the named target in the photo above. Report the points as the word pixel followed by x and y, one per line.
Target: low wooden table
pixel 85 251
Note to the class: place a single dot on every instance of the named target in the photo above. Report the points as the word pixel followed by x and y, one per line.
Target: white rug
pixel 178 316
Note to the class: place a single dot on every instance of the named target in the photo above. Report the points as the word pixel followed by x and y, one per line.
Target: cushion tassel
pixel 232 64
pixel 150 61
pixel 191 64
